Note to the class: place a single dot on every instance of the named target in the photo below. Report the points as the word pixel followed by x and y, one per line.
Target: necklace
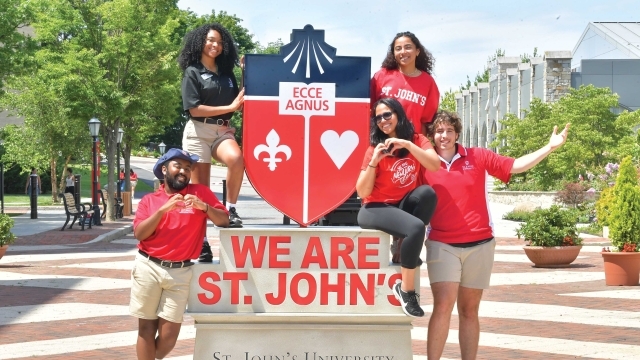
pixel 412 74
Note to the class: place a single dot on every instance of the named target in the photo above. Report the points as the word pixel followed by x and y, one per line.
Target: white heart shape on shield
pixel 339 147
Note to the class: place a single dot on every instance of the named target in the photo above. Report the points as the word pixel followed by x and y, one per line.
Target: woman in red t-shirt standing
pixel 406 76
pixel 392 201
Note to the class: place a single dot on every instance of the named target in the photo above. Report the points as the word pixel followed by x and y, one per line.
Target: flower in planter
pixel 550 227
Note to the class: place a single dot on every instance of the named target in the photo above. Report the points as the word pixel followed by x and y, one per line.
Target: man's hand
pixel 193 201
pixel 176 201
pixel 558 139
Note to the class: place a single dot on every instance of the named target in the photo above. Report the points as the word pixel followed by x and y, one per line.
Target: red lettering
pixel 337 252
pixel 314 245
pixel 282 291
pixel 325 105
pixel 296 92
pixel 318 92
pixel 357 286
pixel 275 251
pixel 326 288
pixel 248 247
pixel 289 105
pixel 364 252
pixel 235 278
pixel 206 283
pixel 295 288
pixel 392 281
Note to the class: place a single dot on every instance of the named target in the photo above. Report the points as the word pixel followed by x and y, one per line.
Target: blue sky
pixel 460 34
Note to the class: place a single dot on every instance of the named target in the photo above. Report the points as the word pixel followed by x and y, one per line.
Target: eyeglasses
pixel 386 115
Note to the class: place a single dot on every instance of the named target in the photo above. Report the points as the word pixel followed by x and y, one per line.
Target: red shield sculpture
pixel 306 125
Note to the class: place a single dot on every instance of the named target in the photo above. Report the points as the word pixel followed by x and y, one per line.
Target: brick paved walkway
pixel 71 303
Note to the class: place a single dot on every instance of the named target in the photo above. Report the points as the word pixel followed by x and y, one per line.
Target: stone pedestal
pixel 299 294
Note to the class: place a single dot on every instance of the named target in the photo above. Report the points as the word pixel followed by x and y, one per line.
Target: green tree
pixel 594 136
pixel 119 64
pixel 15 45
pixel 448 101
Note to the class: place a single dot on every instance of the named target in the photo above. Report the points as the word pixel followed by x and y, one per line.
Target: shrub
pixel 604 206
pixel 550 227
pixel 518 215
pixel 573 194
pixel 6 236
pixel 624 218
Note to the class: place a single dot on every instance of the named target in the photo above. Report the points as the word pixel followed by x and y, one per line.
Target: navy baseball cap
pixel 172 154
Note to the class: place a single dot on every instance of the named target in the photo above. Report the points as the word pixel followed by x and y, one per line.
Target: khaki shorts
pixel 158 291
pixel 471 267
pixel 202 139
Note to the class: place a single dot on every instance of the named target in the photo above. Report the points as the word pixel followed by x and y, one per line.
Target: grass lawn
pixel 85 187
pixel 23 200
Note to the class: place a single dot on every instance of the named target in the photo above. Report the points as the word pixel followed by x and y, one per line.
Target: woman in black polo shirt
pixel 210 96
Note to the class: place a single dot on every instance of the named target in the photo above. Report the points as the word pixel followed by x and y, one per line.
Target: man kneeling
pixel 170 225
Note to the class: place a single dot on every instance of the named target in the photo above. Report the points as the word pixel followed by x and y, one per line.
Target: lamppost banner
pixel 306 125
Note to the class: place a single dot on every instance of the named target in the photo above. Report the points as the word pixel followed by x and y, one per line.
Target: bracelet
pixel 207 208
pixel 372 166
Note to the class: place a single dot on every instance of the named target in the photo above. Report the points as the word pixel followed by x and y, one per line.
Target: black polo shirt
pixel 203 87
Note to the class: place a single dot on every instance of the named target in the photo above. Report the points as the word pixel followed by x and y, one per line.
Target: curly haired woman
pixel 210 96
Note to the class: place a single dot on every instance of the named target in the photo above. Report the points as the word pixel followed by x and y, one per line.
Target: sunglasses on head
pixel 386 115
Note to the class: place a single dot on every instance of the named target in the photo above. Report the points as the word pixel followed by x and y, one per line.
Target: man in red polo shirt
pixel 170 225
pixel 460 243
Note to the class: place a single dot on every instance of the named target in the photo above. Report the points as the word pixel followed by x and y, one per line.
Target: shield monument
pixel 306 125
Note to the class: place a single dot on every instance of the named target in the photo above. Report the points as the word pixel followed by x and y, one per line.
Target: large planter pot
pixel 552 256
pixel 3 250
pixel 621 268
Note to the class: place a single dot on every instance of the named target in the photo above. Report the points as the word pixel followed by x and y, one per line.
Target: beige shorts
pixel 202 139
pixel 471 267
pixel 158 291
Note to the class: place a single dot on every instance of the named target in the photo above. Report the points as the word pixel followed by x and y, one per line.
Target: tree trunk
pixel 62 175
pixel 54 186
pixel 110 144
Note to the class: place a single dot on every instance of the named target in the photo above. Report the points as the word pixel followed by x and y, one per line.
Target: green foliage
pixel 593 140
pixel 604 205
pixel 624 218
pixel 523 216
pixel 448 101
pixel 550 227
pixel 6 236
pixel 15 47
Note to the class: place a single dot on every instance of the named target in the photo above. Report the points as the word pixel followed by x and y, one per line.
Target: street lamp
pixel 118 141
pixel 94 130
pixel 161 147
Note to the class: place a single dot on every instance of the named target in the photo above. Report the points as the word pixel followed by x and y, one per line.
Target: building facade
pixel 607 55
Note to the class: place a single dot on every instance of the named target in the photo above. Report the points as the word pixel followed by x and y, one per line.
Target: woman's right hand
pixel 378 154
pixel 238 101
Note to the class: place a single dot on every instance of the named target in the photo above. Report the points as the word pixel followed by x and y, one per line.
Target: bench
pixel 78 211
pixel 118 205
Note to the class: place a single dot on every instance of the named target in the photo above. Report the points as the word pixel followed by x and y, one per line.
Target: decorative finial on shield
pixel 308 45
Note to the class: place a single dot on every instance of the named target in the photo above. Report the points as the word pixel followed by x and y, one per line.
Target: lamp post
pixel 118 141
pixel 161 147
pixel 94 129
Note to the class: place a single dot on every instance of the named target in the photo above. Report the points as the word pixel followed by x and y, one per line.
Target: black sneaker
pixel 410 301
pixel 234 219
pixel 206 256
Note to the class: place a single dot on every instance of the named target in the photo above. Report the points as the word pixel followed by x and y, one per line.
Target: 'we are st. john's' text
pixel 341 255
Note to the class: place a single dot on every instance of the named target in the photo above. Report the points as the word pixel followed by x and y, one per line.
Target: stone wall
pixel 543 199
pixel 557 74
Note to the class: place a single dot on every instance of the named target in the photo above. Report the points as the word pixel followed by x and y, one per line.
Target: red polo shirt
pixel 180 233
pixel 462 212
pixel 395 177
